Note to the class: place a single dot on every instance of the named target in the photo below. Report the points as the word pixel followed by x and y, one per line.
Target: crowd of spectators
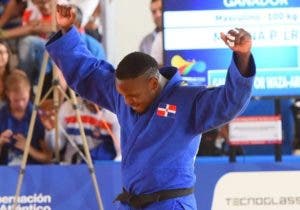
pixel 25 27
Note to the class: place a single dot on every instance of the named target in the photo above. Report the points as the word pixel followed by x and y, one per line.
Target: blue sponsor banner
pixel 55 187
pixel 61 187
pixel 276 82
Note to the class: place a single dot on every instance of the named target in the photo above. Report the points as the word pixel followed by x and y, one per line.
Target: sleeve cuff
pixel 65 41
pixel 252 66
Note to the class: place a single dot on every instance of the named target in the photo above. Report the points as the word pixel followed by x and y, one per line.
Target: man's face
pixel 18 100
pixel 138 93
pixel 156 10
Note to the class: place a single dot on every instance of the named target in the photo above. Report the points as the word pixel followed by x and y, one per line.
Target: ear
pixel 153 83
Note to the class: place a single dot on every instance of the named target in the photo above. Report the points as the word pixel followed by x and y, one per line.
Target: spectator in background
pixel 37 26
pixel 296 113
pixel 208 144
pixel 213 142
pixel 4 68
pixel 101 128
pixel 95 47
pixel 157 49
pixel 91 16
pixel 11 13
pixel 216 143
pixel 93 24
pixel 15 118
pixel 156 11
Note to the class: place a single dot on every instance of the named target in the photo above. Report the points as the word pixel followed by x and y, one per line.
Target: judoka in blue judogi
pixel 161 117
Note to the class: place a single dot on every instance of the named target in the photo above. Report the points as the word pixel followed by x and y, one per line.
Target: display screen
pixel 192 41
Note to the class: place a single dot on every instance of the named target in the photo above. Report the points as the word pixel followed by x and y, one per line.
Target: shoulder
pixel 108 115
pixel 149 38
pixel 66 107
pixel 88 38
pixel 4 110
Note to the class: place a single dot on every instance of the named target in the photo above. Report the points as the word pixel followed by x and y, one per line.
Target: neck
pixel 18 114
pixel 158 29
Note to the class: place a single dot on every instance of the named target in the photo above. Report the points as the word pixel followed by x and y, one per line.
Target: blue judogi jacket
pixel 158 151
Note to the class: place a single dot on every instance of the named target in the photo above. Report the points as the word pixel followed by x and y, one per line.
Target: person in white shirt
pixel 101 128
pixel 156 11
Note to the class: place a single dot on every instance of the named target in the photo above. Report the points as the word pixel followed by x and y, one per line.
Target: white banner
pixel 255 130
pixel 201 29
pixel 258 191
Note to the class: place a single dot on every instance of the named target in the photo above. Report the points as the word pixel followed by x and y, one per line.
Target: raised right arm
pixel 90 78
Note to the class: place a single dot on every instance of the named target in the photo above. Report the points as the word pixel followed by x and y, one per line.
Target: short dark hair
pixel 136 64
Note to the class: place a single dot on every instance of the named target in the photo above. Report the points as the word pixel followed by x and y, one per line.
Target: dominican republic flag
pixel 166 110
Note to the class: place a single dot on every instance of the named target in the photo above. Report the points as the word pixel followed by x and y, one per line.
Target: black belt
pixel 140 201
